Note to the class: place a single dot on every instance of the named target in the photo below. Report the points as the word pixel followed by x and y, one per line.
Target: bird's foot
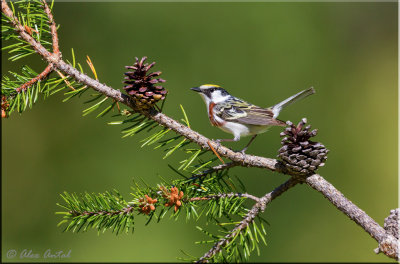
pixel 243 151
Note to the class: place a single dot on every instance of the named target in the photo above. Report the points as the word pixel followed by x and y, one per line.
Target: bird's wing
pixel 245 113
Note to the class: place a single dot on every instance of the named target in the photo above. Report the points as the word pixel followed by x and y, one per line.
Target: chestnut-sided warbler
pixel 240 118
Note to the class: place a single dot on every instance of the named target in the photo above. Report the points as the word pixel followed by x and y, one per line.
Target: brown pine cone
pixel 298 153
pixel 141 85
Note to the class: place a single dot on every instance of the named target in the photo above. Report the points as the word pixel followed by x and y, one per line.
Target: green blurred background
pixel 263 52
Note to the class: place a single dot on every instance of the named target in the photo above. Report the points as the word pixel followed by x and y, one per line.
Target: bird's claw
pixel 243 151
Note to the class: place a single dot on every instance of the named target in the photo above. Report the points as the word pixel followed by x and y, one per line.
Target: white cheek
pixel 217 97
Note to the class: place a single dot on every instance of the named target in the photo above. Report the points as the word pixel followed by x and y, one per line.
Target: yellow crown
pixel 209 86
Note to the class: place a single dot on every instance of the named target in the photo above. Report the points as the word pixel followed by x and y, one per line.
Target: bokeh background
pixel 263 52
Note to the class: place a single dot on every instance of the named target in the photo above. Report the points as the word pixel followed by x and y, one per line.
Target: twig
pixel 34 80
pixel 29 30
pixel 56 50
pixel 219 167
pixel 385 241
pixel 21 30
pixel 124 210
pixel 53 28
pixel 249 218
pixel 225 195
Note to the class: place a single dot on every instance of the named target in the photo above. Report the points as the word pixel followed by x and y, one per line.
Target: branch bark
pixel 387 243
pixel 225 195
pixel 53 28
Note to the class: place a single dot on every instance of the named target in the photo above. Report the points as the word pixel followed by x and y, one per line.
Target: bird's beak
pixel 196 89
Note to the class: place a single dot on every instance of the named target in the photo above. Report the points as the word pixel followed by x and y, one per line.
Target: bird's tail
pixel 276 109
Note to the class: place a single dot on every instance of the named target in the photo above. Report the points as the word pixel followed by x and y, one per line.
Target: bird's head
pixel 212 93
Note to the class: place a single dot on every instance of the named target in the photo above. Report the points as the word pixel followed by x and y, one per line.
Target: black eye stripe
pixel 210 90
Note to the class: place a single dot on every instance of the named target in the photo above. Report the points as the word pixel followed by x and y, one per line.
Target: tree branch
pixel 34 80
pixel 249 218
pixel 24 35
pixel 53 28
pixel 387 243
pixel 244 160
pixel 56 50
pixel 125 210
pixel 225 195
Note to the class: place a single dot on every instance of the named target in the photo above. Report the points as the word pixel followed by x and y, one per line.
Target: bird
pixel 240 118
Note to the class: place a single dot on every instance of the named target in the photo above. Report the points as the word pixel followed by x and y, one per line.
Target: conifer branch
pixel 53 28
pixel 387 243
pixel 26 31
pixel 249 218
pixel 125 210
pixel 24 34
pixel 102 211
pixel 162 119
pixel 34 80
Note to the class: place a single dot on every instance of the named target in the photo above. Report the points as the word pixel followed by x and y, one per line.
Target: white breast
pixel 239 130
pixel 236 129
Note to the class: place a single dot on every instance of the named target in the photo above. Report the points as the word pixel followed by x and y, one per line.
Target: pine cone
pixel 141 85
pixel 298 153
pixel 392 223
